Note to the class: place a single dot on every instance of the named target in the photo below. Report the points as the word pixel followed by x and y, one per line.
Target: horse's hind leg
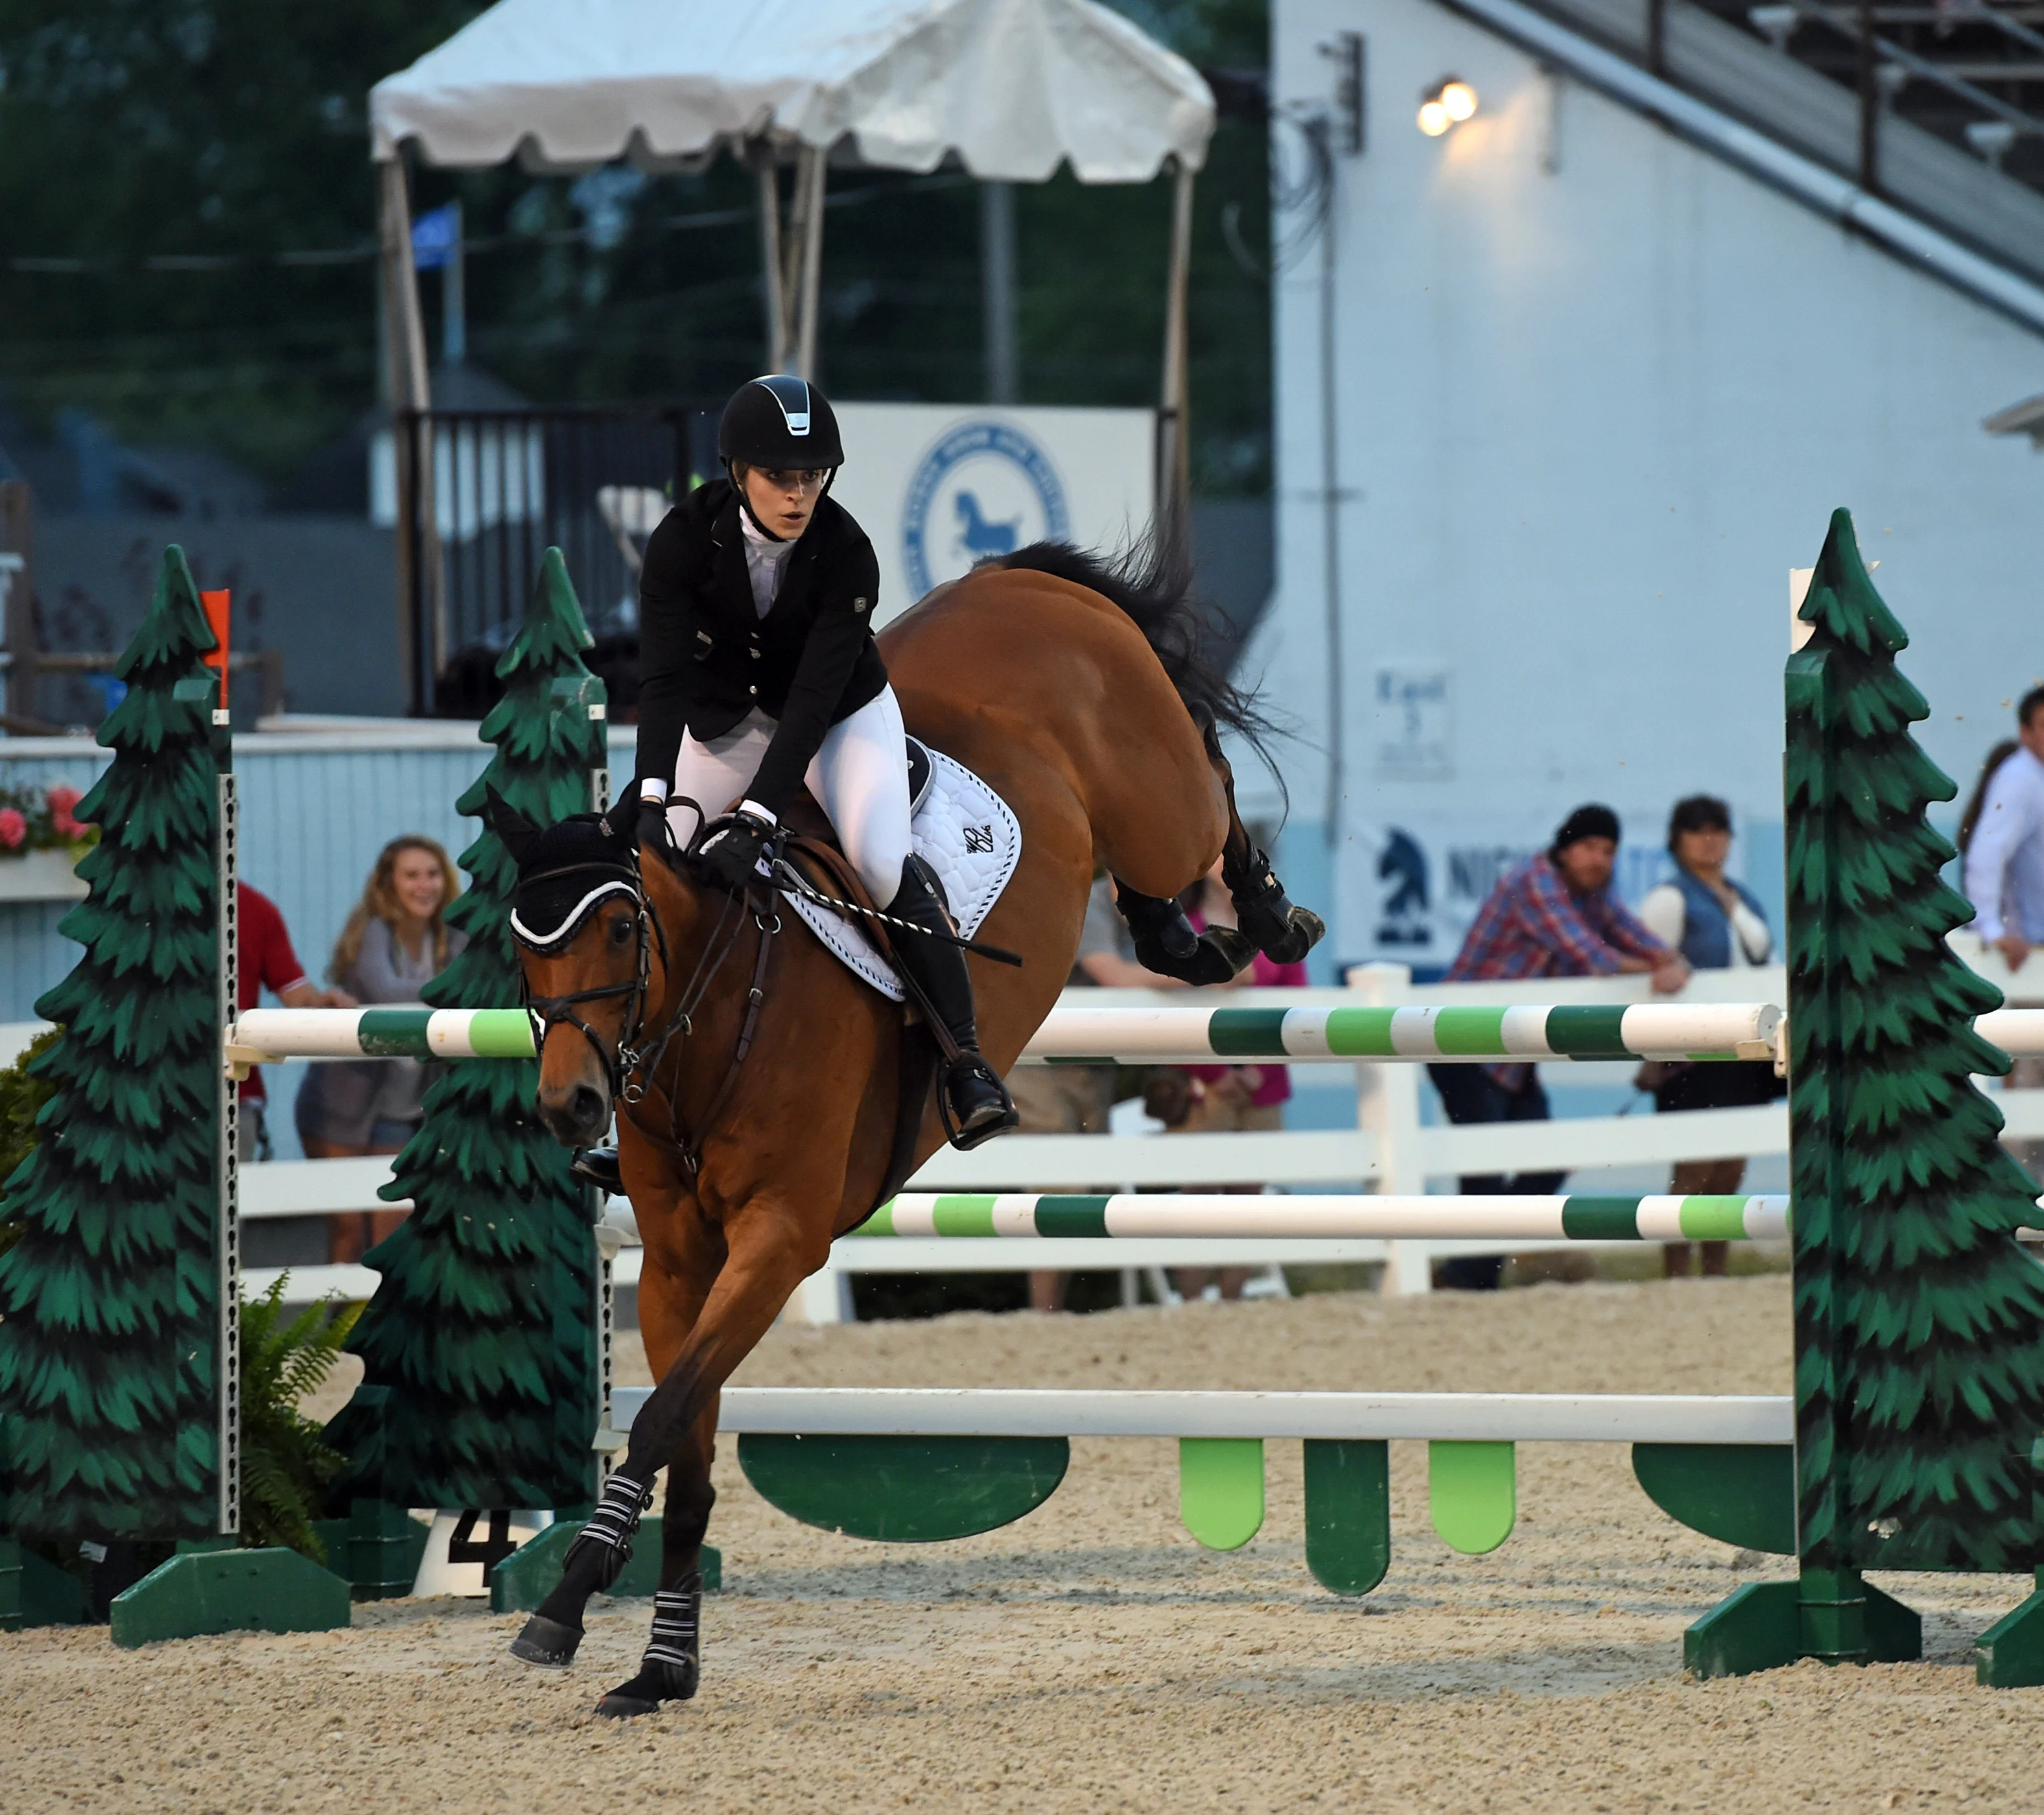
pixel 1268 920
pixel 1166 942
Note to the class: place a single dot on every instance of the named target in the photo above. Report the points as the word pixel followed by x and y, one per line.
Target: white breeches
pixel 860 775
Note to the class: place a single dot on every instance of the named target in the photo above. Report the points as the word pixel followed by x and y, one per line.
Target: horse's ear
pixel 511 826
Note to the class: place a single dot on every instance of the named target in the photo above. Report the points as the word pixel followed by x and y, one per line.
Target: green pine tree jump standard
pixel 482 1372
pixel 112 1363
pixel 1918 1321
pixel 119 1323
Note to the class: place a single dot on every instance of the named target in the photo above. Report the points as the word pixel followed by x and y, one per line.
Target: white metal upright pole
pixel 1175 462
pixel 810 177
pixel 769 256
pixel 1387 1105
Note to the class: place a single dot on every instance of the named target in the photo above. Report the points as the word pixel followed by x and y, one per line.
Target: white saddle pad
pixel 963 830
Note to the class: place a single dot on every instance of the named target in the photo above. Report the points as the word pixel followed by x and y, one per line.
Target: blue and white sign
pixel 940 489
pixel 986 489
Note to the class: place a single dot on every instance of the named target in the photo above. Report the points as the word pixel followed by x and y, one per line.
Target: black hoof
pixel 546 1642
pixel 655 1684
pixel 1216 956
pixel 1303 931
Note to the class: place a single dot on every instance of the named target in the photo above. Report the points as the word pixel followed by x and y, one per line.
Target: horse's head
pixel 587 944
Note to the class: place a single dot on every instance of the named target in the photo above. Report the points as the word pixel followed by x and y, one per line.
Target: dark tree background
pixel 190 213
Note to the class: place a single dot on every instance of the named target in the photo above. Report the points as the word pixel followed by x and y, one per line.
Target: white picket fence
pixel 1390 1149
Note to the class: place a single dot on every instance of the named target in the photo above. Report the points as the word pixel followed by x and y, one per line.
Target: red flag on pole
pixel 216 605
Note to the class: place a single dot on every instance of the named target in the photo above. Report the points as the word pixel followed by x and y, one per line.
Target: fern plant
pixel 286 1460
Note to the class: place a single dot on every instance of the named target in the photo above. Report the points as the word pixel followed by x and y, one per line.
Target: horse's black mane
pixel 1152 583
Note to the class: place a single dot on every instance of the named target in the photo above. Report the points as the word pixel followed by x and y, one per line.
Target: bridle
pixel 632 1066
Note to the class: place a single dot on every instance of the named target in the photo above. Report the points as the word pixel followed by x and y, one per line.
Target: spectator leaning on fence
pixel 264 959
pixel 2001 851
pixel 1555 916
pixel 1715 924
pixel 396 941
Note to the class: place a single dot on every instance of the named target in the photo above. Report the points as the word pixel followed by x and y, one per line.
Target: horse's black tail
pixel 1152 583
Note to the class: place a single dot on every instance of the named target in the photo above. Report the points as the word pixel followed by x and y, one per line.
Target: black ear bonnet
pixel 568 872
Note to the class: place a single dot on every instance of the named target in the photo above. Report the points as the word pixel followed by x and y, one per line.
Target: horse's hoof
pixel 655 1684
pixel 1303 930
pixel 546 1643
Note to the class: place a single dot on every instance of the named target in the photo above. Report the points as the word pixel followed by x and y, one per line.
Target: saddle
pixel 971 842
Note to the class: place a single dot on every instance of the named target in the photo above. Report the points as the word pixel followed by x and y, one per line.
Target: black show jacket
pixel 707 658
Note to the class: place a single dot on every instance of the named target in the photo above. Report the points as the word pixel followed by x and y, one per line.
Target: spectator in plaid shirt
pixel 1555 916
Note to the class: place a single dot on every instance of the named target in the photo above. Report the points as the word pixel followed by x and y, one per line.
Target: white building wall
pixel 1595 393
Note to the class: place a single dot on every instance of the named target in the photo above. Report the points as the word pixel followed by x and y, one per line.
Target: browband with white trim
pixel 571 923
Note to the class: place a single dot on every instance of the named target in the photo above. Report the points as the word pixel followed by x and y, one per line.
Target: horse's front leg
pixel 1265 916
pixel 769 1251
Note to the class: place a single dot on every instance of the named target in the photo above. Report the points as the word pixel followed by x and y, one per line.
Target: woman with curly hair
pixel 396 941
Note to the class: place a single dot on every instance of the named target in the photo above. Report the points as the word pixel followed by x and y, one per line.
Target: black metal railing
pixel 483 494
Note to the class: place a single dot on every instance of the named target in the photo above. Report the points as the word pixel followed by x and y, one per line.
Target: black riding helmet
pixel 780 423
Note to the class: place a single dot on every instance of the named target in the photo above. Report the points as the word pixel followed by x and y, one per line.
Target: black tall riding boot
pixel 977 1101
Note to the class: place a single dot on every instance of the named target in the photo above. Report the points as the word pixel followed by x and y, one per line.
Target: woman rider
pixel 759 672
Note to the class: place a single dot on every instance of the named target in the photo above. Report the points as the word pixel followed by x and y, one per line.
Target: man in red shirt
pixel 265 960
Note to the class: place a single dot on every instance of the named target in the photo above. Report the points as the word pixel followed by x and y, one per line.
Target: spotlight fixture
pixel 1449 103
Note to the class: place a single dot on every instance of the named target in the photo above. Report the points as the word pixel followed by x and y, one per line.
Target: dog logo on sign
pixel 979 840
pixel 984 489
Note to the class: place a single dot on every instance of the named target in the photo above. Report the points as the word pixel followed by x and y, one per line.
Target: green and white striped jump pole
pixel 1190 1215
pixel 1171 1035
pixel 263 1036
pixel 1076 1035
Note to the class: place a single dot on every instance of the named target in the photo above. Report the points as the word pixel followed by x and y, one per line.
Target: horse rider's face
pixel 783 502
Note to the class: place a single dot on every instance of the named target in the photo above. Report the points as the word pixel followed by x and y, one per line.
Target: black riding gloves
pixel 731 850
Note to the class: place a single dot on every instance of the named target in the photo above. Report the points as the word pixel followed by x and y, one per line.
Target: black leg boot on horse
pixel 594 1560
pixel 672 1666
pixel 976 1103
pixel 1279 929
pixel 1166 942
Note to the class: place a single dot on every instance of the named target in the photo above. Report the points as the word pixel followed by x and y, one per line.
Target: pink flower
pixel 13 828
pixel 61 800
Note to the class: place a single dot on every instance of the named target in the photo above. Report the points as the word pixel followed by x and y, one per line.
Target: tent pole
pixel 411 390
pixel 996 285
pixel 770 254
pixel 1173 460
pixel 810 176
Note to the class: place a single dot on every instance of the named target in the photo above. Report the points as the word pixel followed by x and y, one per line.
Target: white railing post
pixel 1387 1105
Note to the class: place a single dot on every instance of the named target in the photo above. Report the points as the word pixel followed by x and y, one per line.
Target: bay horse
pixel 758 1120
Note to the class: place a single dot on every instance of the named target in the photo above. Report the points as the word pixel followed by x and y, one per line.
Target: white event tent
pixel 1009 88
